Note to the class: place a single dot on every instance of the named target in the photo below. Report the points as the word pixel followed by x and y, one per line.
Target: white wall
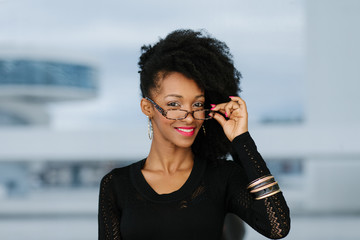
pixel 333 99
pixel 333 62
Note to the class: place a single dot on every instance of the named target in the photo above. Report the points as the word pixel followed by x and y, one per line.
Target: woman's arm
pixel 268 215
pixel 265 208
pixel 109 214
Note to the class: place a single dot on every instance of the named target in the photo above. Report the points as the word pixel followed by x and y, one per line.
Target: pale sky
pixel 265 37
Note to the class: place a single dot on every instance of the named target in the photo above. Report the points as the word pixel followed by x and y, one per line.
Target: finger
pixel 237 99
pixel 231 107
pixel 219 108
pixel 241 112
pixel 220 119
pixel 240 101
pixel 237 113
pixel 226 108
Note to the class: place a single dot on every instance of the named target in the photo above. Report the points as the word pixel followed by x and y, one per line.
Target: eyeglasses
pixel 179 114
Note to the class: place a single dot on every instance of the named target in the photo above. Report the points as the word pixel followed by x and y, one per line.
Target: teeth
pixel 185 130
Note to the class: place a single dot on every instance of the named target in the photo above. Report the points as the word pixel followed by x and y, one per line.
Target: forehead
pixel 177 83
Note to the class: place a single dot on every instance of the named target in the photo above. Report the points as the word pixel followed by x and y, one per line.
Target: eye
pixel 173 104
pixel 198 105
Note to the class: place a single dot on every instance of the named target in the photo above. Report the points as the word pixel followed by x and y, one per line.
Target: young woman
pixel 185 186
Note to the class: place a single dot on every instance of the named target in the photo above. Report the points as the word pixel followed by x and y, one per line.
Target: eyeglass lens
pixel 180 114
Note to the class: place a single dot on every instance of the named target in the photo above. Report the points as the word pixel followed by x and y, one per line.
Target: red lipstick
pixel 186 131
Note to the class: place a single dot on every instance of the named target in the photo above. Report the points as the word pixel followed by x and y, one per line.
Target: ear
pixel 146 107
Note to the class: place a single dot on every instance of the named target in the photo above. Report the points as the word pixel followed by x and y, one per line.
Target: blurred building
pixel 28 83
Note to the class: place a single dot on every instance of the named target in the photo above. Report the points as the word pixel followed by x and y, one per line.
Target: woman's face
pixel 175 91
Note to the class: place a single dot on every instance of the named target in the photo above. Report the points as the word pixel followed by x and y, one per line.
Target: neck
pixel 168 159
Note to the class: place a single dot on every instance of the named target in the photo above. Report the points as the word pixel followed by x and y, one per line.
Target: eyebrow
pixel 179 96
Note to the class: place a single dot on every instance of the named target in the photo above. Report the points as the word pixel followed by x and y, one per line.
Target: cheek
pixel 163 122
pixel 167 122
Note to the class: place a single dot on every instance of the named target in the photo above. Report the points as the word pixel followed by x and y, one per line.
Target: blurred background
pixel 69 104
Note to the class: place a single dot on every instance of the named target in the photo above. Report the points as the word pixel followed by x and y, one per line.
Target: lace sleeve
pixel 109 214
pixel 269 216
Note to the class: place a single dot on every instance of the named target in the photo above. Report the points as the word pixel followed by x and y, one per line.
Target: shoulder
pixel 226 165
pixel 225 168
pixel 119 174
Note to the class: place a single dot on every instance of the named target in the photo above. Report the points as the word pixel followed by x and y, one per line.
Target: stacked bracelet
pixel 264 187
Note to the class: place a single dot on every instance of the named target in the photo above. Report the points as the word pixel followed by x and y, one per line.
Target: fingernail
pixel 212 108
pixel 213 105
pixel 231 96
pixel 226 115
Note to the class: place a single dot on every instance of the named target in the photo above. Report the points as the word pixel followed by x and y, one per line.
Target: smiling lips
pixel 186 131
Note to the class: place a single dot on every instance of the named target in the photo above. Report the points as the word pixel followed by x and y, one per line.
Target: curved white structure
pixel 26 85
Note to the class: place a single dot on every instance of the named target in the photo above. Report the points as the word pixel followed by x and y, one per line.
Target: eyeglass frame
pixel 164 112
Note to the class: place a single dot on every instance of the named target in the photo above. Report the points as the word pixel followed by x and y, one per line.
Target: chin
pixel 185 143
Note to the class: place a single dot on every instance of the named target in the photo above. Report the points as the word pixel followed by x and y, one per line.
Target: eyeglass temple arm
pixel 162 111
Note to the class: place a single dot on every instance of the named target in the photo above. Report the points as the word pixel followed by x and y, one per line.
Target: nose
pixel 189 118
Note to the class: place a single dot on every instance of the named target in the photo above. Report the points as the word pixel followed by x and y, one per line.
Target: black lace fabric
pixel 109 215
pixel 195 197
pixel 129 209
pixel 278 218
pixel 273 208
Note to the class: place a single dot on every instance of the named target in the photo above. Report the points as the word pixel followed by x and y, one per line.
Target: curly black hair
pixel 209 63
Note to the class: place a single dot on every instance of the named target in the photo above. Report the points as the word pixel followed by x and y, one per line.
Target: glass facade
pixel 46 73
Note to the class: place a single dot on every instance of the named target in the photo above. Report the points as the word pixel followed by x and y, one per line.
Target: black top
pixel 129 209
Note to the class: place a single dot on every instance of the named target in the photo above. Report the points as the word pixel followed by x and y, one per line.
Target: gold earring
pixel 150 129
pixel 203 127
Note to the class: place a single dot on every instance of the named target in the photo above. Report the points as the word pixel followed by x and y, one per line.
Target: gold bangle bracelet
pixel 259 180
pixel 267 182
pixel 264 187
pixel 268 195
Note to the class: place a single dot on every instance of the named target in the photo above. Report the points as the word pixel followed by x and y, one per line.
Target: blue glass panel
pixel 29 72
